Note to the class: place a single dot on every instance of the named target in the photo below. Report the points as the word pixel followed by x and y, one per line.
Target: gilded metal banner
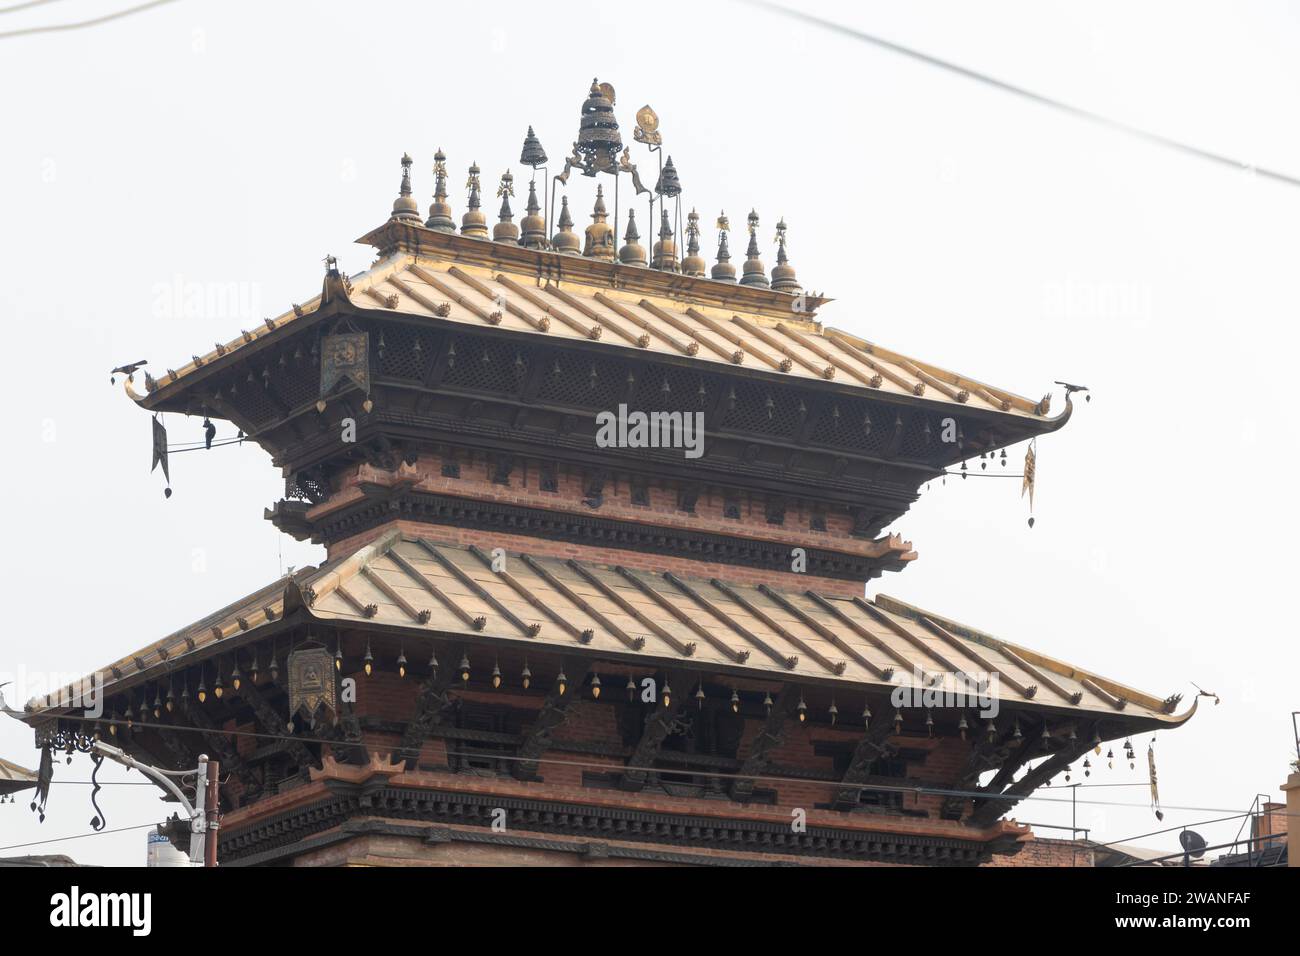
pixel 311 682
pixel 345 355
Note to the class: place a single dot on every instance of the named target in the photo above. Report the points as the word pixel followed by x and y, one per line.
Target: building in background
pixel 549 631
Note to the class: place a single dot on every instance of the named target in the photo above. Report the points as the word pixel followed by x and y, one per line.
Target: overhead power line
pixel 78 24
pixel 14 8
pixel 904 788
pixel 1068 108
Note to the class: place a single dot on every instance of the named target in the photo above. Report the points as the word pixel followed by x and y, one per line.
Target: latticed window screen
pixel 253 402
pixel 397 356
pixel 576 381
pixel 861 425
pixel 763 411
pixel 299 380
pixel 682 393
pixel 485 366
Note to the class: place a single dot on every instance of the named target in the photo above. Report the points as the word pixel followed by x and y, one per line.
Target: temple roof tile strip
pixel 443 591
pixel 493 297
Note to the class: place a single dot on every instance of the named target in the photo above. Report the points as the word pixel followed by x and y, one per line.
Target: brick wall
pixel 1041 851
pixel 662 509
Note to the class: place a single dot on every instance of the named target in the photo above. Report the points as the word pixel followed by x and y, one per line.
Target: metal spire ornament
pixel 440 210
pixel 405 208
pixel 532 154
pixel 632 253
pixel 565 239
pixel 474 223
pixel 599 141
pixel 753 274
pixel 783 277
pixel 724 271
pixel 505 230
pixel 693 264
pixel 533 226
pixel 600 234
pixel 665 250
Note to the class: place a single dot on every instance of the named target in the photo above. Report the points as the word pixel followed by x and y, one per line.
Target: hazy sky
pixel 235 144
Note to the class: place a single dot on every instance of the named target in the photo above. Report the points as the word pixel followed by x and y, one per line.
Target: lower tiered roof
pixel 416 586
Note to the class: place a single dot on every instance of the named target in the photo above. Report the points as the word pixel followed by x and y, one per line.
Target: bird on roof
pixel 128 370
pixel 1071 389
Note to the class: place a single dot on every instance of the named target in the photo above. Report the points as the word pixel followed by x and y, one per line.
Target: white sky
pixel 241 142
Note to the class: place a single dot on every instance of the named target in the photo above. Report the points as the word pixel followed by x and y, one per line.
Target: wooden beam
pixel 829 606
pixel 476 623
pixel 271 722
pixel 873 746
pixel 984 756
pixel 788 661
pixel 432 701
pixel 632 611
pixel 578 601
pixel 682 617
pixel 553 713
pixel 659 724
pixel 769 737
pixel 528 630
pixel 581 636
pixel 881 673
pixel 218 743
pixel 989 811
pixel 835 667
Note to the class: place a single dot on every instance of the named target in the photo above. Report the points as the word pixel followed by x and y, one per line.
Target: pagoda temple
pixel 529 645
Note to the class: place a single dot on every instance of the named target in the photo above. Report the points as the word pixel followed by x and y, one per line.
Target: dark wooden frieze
pixel 658 836
pixel 380 508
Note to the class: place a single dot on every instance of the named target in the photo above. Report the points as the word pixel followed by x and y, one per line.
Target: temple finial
pixel 533 226
pixel 665 250
pixel 440 210
pixel 632 253
pixel 724 271
pixel 693 264
pixel 783 277
pixel 505 230
pixel 600 234
pixel 474 223
pixel 669 185
pixel 405 208
pixel 753 273
pixel 532 154
pixel 566 240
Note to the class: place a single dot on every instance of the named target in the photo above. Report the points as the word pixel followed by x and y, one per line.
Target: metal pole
pixel 213 809
pixel 198 822
pixel 163 777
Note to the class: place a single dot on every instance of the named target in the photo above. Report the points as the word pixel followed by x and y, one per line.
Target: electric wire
pixel 917 790
pixel 1039 98
pixel 78 24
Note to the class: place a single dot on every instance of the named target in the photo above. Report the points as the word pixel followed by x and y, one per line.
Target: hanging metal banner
pixel 345 355
pixel 311 682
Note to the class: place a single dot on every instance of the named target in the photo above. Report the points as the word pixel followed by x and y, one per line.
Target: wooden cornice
pixel 418 240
